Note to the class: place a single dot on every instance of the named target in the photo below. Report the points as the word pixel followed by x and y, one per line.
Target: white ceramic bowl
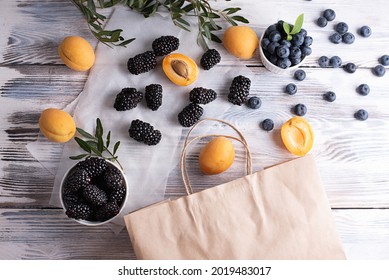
pixel 274 68
pixel 94 223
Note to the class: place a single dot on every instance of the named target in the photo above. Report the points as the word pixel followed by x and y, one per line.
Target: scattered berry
pixel 267 124
pixel 322 22
pixel 324 61
pixel 379 70
pixel 254 102
pixel 144 132
pixel 165 45
pixel 127 99
pixel 329 96
pixel 363 89
pixel 299 75
pixel 200 95
pixel 190 115
pixel 365 31
pixel 341 28
pixel 153 96
pixel 78 211
pixel 329 14
pixel 142 63
pixel 335 61
pixel 350 67
pixel 239 90
pixel 361 115
pixel 384 60
pixel 77 180
pixel 336 38
pixel 291 89
pixel 300 109
pixel 210 58
pixel 94 166
pixel 348 38
pixel 94 195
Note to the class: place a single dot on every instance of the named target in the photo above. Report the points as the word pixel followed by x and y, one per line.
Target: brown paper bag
pixel 279 213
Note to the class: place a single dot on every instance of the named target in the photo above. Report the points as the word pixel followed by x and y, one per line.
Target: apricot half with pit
pixel 217 156
pixel 180 69
pixel 297 136
pixel 76 53
pixel 57 125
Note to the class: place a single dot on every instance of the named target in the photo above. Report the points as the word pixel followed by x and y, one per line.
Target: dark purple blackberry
pixel 77 180
pixel 94 195
pixel 153 95
pixel 142 63
pixel 209 59
pixel 190 115
pixel 144 132
pixel 118 193
pixel 78 211
pixel 70 199
pixel 200 95
pixel 112 178
pixel 107 211
pixel 165 45
pixel 239 90
pixel 127 99
pixel 94 166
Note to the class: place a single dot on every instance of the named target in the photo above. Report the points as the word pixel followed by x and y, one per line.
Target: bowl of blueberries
pixel 283 47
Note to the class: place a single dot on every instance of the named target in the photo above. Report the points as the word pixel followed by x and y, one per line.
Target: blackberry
pixel 94 195
pixel 239 90
pixel 153 95
pixel 300 109
pixel 107 211
pixel 144 132
pixel 118 193
pixel 379 71
pixel 200 95
pixel 77 180
pixel 210 58
pixel 70 199
pixel 113 178
pixel 190 115
pixel 94 166
pixel 350 67
pixel 78 211
pixel 142 63
pixel 361 115
pixel 254 102
pixel 329 96
pixel 267 124
pixel 299 75
pixel 291 89
pixel 127 99
pixel 363 89
pixel 165 45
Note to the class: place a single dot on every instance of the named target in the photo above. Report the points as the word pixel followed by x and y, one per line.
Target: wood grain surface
pixel 352 156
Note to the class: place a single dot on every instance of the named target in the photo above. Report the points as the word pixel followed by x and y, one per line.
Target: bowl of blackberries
pixel 283 47
pixel 94 191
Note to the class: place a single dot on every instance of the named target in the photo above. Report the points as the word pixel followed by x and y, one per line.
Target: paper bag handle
pixel 187 143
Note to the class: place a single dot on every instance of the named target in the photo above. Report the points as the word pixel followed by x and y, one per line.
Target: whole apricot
pixel 57 125
pixel 240 41
pixel 180 69
pixel 216 156
pixel 297 136
pixel 76 53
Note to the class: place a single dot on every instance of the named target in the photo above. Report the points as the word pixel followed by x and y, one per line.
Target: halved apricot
pixel 297 136
pixel 180 69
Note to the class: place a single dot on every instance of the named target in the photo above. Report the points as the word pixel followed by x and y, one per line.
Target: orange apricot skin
pixel 297 136
pixel 57 125
pixel 241 41
pixel 76 53
pixel 217 156
pixel 192 69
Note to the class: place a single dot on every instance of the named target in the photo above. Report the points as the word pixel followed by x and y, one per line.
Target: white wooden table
pixel 352 156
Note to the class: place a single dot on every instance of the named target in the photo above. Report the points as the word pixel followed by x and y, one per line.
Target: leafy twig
pixel 295 29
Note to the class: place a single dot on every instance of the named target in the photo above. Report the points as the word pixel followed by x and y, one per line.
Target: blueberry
pixel 291 89
pixel 341 28
pixel 365 31
pixel 322 22
pixel 300 109
pixel 265 43
pixel 379 70
pixel 329 14
pixel 270 29
pixel 273 59
pixel 297 39
pixel 284 63
pixel 329 96
pixel 299 75
pixel 305 51
pixel 324 61
pixel 271 48
pixel 267 124
pixel 336 38
pixel 295 61
pixel 348 38
pixel 282 51
pixel 361 115
pixel 295 52
pixel 254 102
pixel 308 40
pixel 286 43
pixel 350 67
pixel 335 61
pixel 363 89
pixel 275 36
pixel 384 60
pixel 303 32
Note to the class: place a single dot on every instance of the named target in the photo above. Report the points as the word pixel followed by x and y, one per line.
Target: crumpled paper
pixel 146 167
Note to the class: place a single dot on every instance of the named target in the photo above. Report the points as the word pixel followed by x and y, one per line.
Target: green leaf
pixel 108 139
pixel 99 128
pixel 83 145
pixel 240 18
pixel 298 25
pixel 126 42
pixel 286 27
pixel 100 144
pixel 181 20
pixel 84 133
pixel 231 10
pixel 215 38
pixel 79 156
pixel 116 147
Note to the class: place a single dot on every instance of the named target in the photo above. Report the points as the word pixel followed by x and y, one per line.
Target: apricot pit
pixel 297 136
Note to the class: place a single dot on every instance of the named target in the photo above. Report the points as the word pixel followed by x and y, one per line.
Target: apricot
pixel 76 53
pixel 57 125
pixel 180 69
pixel 216 156
pixel 297 136
pixel 240 41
